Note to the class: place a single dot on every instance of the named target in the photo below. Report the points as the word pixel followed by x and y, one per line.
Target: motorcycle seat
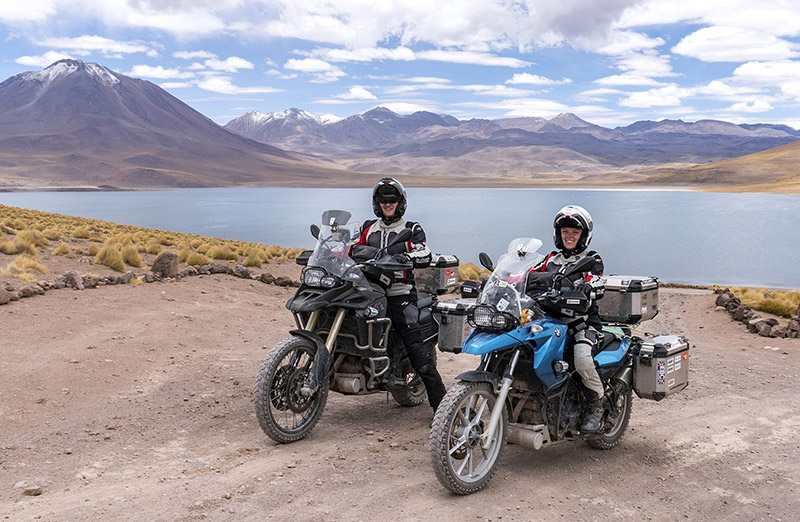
pixel 606 341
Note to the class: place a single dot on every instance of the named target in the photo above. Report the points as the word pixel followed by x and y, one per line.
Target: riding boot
pixel 593 417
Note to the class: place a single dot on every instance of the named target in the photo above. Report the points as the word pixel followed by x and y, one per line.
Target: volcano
pixel 76 123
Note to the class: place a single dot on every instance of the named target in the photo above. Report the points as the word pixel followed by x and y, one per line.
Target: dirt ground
pixel 135 403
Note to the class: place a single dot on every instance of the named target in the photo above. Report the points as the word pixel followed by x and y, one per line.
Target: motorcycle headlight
pixel 499 321
pixel 328 281
pixel 313 276
pixel 482 317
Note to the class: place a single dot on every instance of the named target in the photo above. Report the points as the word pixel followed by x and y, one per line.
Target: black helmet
pixel 389 189
pixel 573 216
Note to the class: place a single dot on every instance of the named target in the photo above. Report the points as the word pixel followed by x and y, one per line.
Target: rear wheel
pixel 459 460
pixel 283 412
pixel 614 424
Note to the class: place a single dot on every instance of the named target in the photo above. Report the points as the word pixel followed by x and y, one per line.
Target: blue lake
pixel 692 237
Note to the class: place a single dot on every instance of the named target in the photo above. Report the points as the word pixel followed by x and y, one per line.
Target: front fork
pixel 320 368
pixel 505 385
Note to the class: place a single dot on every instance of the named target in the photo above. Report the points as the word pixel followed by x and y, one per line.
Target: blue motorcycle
pixel 525 390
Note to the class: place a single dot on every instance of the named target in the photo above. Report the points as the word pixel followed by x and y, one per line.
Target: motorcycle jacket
pixel 556 261
pixel 377 234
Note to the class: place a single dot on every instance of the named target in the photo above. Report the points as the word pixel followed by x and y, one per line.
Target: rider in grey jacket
pixel 572 232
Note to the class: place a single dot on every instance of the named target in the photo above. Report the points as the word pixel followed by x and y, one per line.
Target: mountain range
pixel 82 124
pixel 77 123
pixel 564 147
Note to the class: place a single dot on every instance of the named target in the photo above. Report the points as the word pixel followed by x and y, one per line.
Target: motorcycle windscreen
pixel 332 252
pixel 505 288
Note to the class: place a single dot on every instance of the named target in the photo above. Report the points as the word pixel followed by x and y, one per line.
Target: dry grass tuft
pixel 778 302
pixel 80 233
pixel 195 259
pixel 62 250
pixel 111 257
pixel 92 250
pixel 131 256
pixel 24 267
pixel 222 252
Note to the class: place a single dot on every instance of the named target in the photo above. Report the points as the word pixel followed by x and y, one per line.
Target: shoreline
pixel 496 186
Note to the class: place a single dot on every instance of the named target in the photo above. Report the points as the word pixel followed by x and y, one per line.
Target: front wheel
pixel 614 424
pixel 459 460
pixel 283 412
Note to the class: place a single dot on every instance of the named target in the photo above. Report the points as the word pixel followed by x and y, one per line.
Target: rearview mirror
pixel 403 236
pixel 486 261
pixel 584 265
pixel 315 231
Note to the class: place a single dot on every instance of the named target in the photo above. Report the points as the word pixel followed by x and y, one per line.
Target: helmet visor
pixel 387 194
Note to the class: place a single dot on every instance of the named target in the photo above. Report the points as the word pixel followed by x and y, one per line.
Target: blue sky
pixel 611 62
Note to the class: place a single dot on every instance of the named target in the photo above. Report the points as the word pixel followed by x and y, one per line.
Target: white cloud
pixel 281 75
pixel 670 95
pixel 756 106
pixel 357 93
pixel 323 71
pixel 43 60
pixel 231 64
pixel 734 44
pixel 626 42
pixel 159 72
pixel 627 79
pixel 29 11
pixel 534 79
pixel 426 79
pixel 597 95
pixel 473 58
pixel 175 85
pixel 776 17
pixel 95 43
pixel 189 55
pixel 408 108
pixel 768 73
pixel 223 85
pixel 522 107
pixel 364 54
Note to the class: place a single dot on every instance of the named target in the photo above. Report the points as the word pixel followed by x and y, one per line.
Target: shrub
pixel 131 256
pixel 136 281
pixel 62 250
pixel 111 257
pixel 79 251
pixel 194 259
pixel 469 271
pixel 92 250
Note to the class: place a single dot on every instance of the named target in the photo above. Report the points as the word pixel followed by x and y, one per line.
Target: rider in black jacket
pixel 389 205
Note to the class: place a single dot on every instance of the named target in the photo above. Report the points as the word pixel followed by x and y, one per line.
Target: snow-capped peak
pixel 66 67
pixel 257 117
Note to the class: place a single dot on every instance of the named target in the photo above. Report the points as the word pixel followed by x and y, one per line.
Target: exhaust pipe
pixel 528 436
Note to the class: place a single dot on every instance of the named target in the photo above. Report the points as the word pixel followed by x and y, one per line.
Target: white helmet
pixel 575 217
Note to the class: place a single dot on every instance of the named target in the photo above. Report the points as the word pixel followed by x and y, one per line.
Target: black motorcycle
pixel 344 340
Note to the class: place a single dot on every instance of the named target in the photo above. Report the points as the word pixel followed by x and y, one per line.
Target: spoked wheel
pixel 283 412
pixel 459 460
pixel 412 393
pixel 614 424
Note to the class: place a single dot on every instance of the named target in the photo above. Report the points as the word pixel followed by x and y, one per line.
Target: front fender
pixel 322 359
pixel 480 376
